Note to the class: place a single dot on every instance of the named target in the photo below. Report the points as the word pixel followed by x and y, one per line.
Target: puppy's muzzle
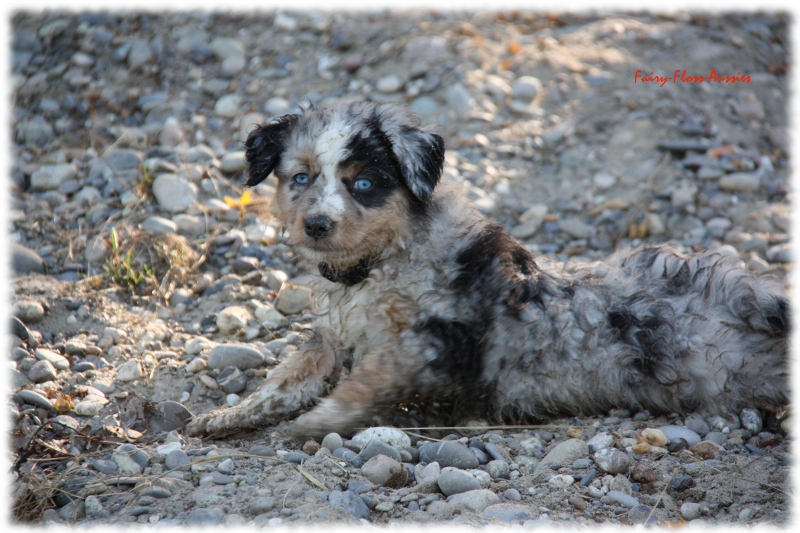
pixel 319 226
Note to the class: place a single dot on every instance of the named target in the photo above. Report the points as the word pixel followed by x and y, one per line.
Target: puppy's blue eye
pixel 301 179
pixel 362 184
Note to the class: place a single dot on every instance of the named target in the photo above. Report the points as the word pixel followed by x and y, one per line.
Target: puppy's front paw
pixel 327 417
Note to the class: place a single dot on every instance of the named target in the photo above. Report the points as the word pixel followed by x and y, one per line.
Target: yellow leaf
pixel 245 199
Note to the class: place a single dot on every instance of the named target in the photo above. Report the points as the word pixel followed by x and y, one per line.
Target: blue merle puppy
pixel 421 297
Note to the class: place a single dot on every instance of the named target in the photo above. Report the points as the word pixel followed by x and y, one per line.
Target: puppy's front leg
pixel 292 385
pixel 382 378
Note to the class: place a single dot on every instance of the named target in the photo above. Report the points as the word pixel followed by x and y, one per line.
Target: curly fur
pixel 420 296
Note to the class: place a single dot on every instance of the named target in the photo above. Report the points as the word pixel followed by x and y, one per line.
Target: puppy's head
pixel 349 177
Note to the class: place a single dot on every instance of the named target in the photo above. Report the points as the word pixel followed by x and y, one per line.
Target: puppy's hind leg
pixel 292 385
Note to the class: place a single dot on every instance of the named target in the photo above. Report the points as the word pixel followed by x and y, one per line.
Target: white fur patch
pixel 331 149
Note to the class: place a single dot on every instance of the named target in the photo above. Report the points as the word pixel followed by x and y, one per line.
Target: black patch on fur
pixel 650 336
pixel 460 349
pixel 494 263
pixel 374 155
pixel 777 316
pixel 431 155
pixel 349 276
pixel 264 146
pixel 680 283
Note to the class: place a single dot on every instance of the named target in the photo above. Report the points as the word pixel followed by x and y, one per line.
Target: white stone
pixel 130 371
pixel 197 344
pixel 293 298
pixel 391 436
pixel 228 105
pixel 233 319
pixel 389 84
pixel 269 317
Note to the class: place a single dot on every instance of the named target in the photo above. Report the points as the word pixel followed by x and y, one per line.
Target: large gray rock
pixel 563 454
pixel 174 193
pixel 448 454
pixel 242 356
pixel 454 481
pixel 25 261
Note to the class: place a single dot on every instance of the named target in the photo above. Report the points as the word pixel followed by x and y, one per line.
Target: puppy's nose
pixel 318 226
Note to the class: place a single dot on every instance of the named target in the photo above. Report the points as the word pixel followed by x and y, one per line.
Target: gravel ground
pixel 147 287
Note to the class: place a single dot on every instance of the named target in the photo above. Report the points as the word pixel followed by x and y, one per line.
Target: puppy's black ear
pixel 419 153
pixel 264 146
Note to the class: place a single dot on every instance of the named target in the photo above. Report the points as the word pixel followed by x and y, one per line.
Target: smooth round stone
pixel 674 433
pixel 691 510
pixel 262 450
pixel 171 134
pixel 332 441
pixel 89 408
pixel 57 360
pixel 29 311
pixel 623 499
pixel 83 366
pixel 34 398
pixel 261 505
pixel 233 399
pixel 455 481
pixel 696 423
pixel 177 459
pixel 174 193
pixel 228 105
pixel 293 298
pixel 474 500
pixel 197 344
pixel 49 177
pixel 385 471
pixel 640 513
pixel 448 454
pixel 391 436
pixel 600 441
pixel 296 457
pixel 169 416
pixel 526 88
pixel 378 447
pixel 159 226
pixel 739 182
pixel 350 456
pixel 156 492
pixel 190 224
pixel 204 517
pixel 242 356
pixel 613 461
pixel 42 371
pixel 233 162
pixel 389 84
pixel 566 452
pixel 233 65
pixel 25 261
pixel 507 512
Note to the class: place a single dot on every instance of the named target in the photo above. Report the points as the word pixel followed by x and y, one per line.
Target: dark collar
pixel 349 276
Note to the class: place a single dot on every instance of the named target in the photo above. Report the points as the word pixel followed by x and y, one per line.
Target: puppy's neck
pixel 348 276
